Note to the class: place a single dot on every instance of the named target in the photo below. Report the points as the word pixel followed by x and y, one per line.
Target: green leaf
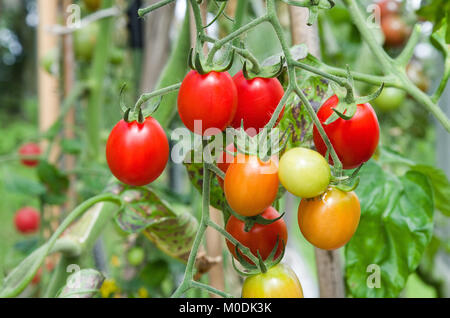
pixel 71 146
pixel 55 180
pixel 296 119
pixel 440 184
pixel 27 246
pixel 172 231
pixel 154 273
pixel 396 226
pixel 22 185
pixel 195 173
pixel 82 284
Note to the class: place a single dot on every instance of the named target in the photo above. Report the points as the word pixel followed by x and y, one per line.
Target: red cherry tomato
pixel 209 99
pixel 262 238
pixel 354 140
pixel 257 100
pixel 395 30
pixel 137 154
pixel 27 220
pixel 30 150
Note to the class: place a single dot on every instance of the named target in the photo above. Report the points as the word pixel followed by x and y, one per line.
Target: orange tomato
pixel 251 185
pixel 330 220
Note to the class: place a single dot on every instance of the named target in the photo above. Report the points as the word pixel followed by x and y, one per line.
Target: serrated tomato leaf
pixel 395 228
pixel 172 231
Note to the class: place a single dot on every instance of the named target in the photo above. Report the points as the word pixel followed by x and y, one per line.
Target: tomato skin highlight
pixel 210 98
pixel 262 238
pixel 330 220
pixel 137 154
pixel 30 149
pixel 251 185
pixel 279 281
pixel 304 172
pixel 354 140
pixel 27 220
pixel 257 100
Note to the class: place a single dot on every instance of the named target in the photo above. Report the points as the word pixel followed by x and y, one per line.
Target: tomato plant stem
pixel 189 272
pixel 163 91
pixel 16 281
pixel 392 67
pixel 217 45
pixel 153 7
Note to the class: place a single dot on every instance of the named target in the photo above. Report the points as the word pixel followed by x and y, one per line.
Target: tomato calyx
pixel 264 72
pixel 347 106
pixel 263 145
pixel 262 266
pixel 196 63
pixel 250 221
pixel 347 183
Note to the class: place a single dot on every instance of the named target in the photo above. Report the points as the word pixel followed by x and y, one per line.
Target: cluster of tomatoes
pixel 137 153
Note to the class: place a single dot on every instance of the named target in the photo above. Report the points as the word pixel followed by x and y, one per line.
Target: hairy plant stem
pixel 217 45
pixel 291 63
pixel 153 7
pixel 163 91
pixel 392 67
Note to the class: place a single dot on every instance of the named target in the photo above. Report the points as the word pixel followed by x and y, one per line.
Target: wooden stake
pixel 69 121
pixel 48 86
pixel 329 272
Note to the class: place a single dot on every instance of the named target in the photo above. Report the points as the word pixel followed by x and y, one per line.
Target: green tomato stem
pixel 160 92
pixel 153 7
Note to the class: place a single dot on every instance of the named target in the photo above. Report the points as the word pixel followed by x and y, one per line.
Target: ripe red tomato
pixel 262 238
pixel 330 220
pixel 257 100
pixel 354 140
pixel 226 160
pixel 395 30
pixel 27 220
pixel 210 99
pixel 137 153
pixel 251 185
pixel 30 150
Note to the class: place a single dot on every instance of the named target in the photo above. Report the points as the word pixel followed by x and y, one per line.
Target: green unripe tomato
pixel 136 256
pixel 390 99
pixel 279 281
pixel 304 172
pixel 85 40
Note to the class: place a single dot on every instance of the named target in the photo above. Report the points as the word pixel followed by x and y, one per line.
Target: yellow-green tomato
pixel 279 281
pixel 304 172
